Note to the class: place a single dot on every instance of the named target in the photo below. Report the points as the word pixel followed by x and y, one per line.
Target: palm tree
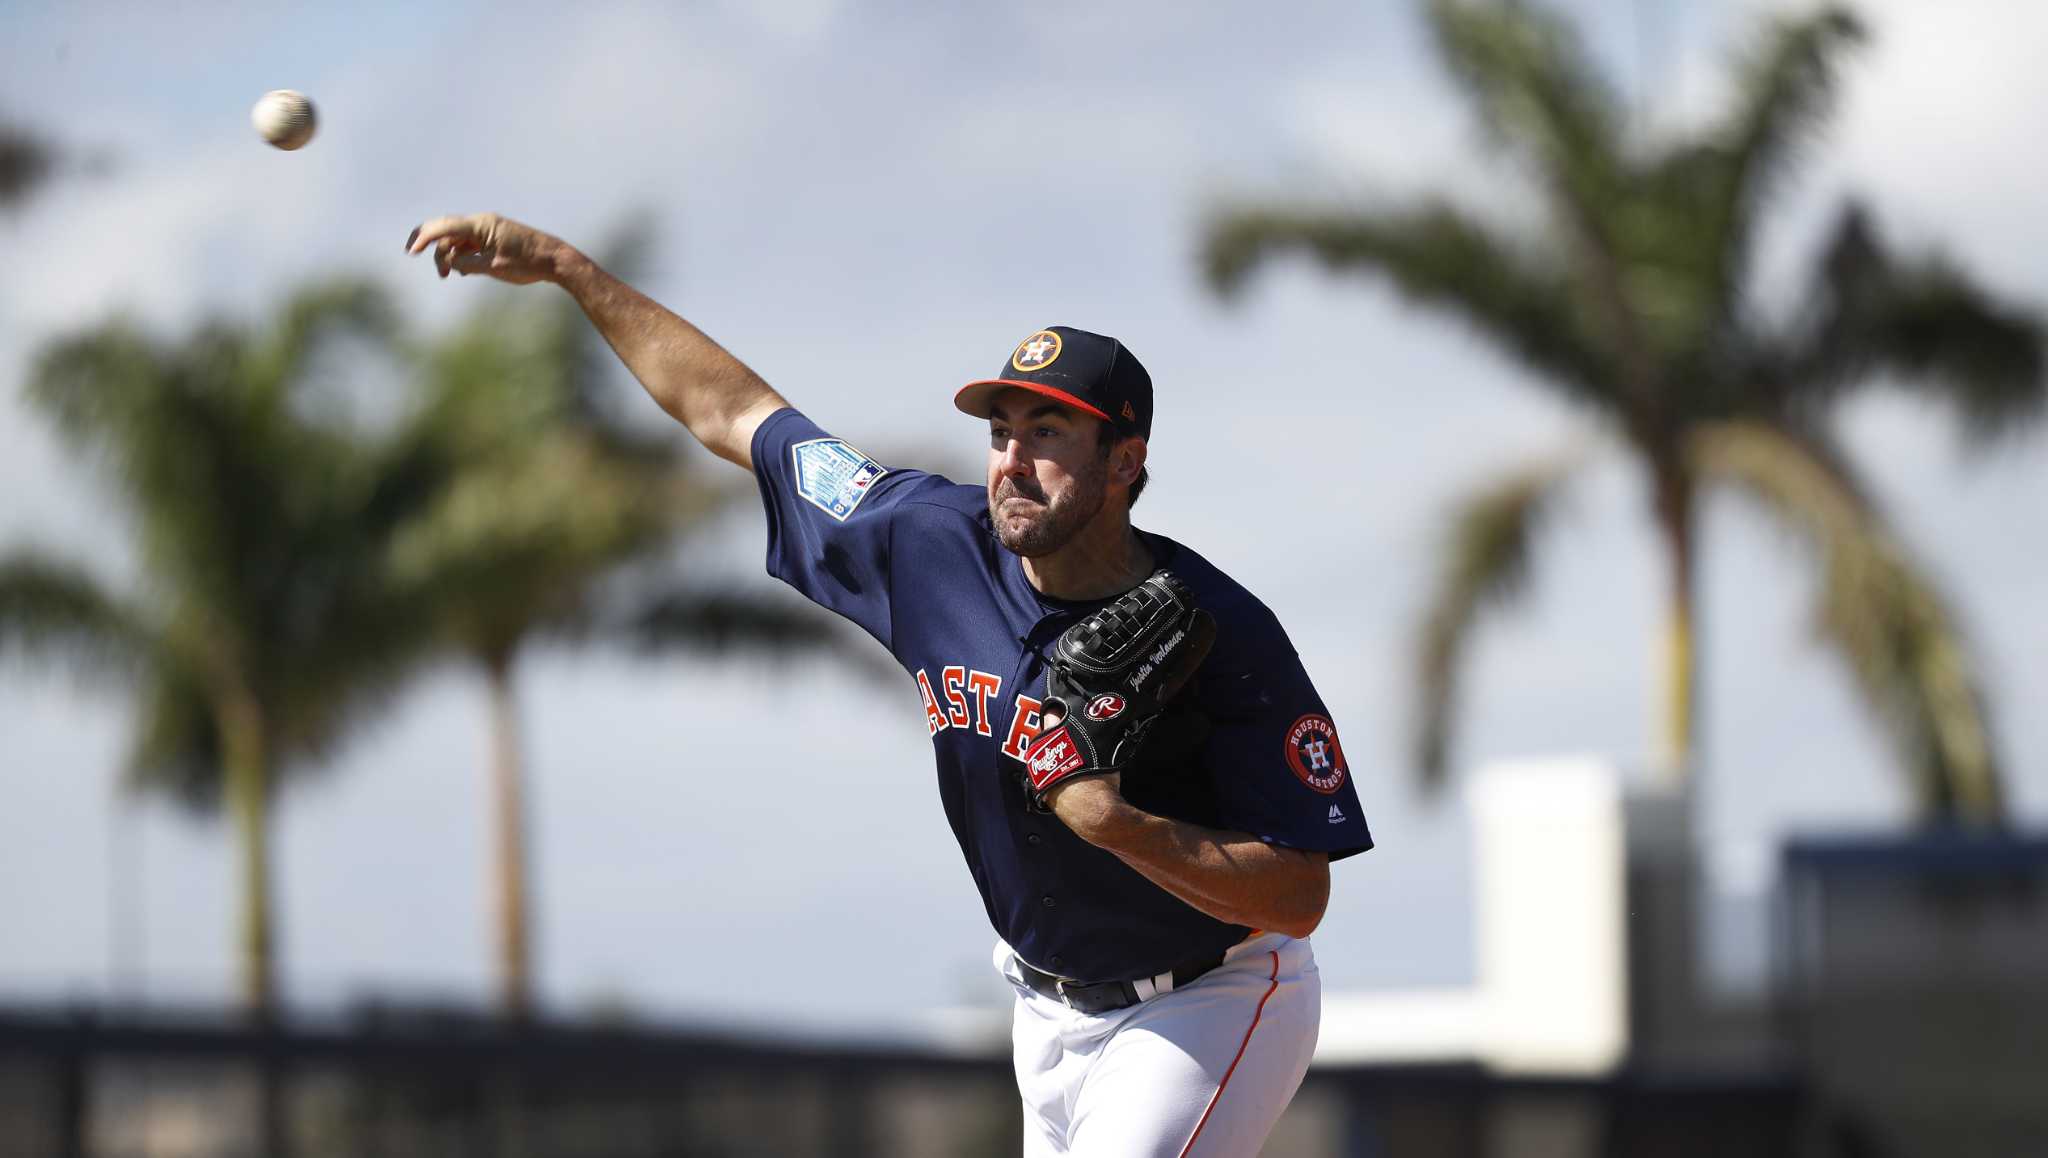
pixel 560 506
pixel 26 162
pixel 263 626
pixel 1637 305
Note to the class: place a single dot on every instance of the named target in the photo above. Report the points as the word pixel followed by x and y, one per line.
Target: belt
pixel 1104 996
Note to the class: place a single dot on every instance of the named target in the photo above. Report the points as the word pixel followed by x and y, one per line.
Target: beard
pixel 1035 527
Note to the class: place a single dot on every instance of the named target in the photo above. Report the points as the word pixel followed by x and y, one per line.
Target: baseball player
pixel 1145 784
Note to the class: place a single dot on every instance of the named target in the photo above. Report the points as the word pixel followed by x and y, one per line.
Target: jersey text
pixel 956 685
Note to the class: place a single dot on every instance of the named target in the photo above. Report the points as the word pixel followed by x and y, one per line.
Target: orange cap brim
pixel 977 397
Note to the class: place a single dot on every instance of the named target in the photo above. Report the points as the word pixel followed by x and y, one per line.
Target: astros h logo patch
pixel 1036 352
pixel 1313 753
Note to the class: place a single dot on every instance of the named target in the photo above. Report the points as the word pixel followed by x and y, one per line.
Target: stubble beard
pixel 1055 523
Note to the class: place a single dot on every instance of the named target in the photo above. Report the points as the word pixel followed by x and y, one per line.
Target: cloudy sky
pixel 871 203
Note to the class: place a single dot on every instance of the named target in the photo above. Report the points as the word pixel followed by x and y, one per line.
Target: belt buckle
pixel 1059 986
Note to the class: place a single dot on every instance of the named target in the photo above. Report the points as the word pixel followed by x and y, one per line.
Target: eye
pixel 1047 432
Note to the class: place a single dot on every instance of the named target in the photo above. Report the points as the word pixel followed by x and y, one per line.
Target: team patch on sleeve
pixel 833 476
pixel 1313 753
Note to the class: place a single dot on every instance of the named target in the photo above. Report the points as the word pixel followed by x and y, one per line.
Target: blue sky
pixel 871 203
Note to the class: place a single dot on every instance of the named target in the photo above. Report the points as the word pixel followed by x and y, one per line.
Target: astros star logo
pixel 1037 351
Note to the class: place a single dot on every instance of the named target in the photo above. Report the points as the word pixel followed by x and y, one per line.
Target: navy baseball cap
pixel 1090 372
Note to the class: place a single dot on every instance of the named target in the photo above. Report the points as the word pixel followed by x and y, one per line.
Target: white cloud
pixel 1350 126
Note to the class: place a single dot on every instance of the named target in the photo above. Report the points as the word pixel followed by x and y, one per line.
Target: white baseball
pixel 284 118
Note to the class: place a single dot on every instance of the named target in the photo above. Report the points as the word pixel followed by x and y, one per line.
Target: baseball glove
pixel 1111 675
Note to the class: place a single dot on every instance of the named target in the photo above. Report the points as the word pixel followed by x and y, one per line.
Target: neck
pixel 1107 558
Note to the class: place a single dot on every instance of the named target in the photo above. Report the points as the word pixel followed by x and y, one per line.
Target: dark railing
pixel 79 1083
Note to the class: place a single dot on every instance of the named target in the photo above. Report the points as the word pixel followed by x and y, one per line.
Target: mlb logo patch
pixel 833 476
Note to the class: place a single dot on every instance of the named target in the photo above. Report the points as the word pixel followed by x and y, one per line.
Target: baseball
pixel 284 118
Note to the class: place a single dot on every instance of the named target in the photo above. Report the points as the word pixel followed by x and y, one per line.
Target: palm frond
pixel 1784 89
pixel 175 747
pixel 1485 563
pixel 1923 320
pixel 26 161
pixel 51 611
pixel 1438 256
pixel 94 384
pixel 1538 93
pixel 313 318
pixel 716 622
pixel 1880 610
pixel 549 498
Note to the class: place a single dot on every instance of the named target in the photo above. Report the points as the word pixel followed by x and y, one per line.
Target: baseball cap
pixel 1090 372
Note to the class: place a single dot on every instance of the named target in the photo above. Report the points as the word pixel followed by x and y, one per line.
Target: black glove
pixel 1111 675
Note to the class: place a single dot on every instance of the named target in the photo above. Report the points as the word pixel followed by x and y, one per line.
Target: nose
pixel 1011 462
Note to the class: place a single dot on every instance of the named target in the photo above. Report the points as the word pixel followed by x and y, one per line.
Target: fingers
pixel 459 254
pixel 475 227
pixel 479 243
pixel 444 255
pixel 427 233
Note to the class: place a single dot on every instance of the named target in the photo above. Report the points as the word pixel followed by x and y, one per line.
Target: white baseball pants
pixel 1204 1070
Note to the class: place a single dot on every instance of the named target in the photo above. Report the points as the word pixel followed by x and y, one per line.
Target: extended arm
pixel 1232 876
pixel 709 391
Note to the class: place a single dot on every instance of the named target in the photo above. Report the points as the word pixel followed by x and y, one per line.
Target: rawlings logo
pixel 1106 706
pixel 1053 756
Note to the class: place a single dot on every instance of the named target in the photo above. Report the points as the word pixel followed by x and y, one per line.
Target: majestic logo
pixel 1336 815
pixel 1106 706
pixel 1312 751
pixel 1036 352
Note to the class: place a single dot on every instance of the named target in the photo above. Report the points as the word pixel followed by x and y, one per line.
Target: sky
pixel 871 204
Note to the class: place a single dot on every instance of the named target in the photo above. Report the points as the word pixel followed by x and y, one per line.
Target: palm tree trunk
pixel 244 748
pixel 1675 518
pixel 515 969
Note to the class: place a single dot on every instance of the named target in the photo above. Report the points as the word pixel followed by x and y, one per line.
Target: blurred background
pixel 1630 407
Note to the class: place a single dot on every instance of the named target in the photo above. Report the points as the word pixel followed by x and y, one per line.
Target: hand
pixel 490 244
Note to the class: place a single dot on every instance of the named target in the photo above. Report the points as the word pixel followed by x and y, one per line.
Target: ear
pixel 1127 460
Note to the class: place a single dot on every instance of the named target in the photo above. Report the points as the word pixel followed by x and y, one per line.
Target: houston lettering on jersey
pixel 960 699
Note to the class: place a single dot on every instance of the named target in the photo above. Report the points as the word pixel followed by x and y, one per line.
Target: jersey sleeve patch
pixel 832 476
pixel 1313 753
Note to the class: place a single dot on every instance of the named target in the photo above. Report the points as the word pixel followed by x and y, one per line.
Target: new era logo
pixel 1336 815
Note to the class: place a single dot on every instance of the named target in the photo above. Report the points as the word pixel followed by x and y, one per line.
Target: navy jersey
pixel 913 559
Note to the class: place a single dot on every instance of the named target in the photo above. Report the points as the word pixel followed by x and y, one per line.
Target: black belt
pixel 1104 996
